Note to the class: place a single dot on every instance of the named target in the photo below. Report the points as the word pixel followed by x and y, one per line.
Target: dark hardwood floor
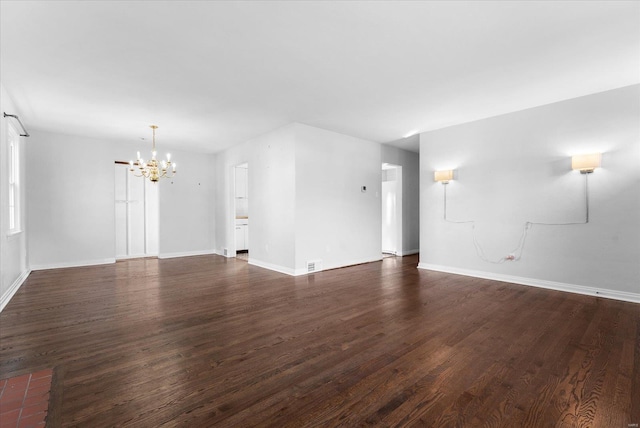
pixel 208 341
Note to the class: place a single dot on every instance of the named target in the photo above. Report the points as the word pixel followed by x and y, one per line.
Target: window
pixel 14 180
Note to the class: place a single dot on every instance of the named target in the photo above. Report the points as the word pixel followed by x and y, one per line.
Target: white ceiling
pixel 214 74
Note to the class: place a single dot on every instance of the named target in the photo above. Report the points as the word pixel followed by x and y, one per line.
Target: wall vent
pixel 314 266
pixel 226 252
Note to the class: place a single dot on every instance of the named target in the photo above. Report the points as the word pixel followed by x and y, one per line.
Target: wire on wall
pixel 516 253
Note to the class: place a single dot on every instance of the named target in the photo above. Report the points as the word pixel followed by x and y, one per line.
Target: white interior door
pixel 136 215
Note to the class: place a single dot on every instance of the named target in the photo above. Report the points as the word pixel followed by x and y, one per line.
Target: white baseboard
pixel 136 256
pixel 345 264
pixel 551 285
pixel 186 254
pixel 271 266
pixel 408 252
pixel 73 264
pixel 6 297
pixel 221 253
pixel 303 271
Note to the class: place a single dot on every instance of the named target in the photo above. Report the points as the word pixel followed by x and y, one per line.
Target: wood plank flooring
pixel 208 341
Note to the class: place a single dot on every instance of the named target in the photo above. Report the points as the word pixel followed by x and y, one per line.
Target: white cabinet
pixel 242 237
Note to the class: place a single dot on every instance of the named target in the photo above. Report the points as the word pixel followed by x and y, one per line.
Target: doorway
pixel 136 214
pixel 241 210
pixel 391 209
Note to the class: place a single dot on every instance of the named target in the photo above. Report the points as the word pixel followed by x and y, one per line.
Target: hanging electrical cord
pixel 476 244
pixel 586 200
pixel 516 253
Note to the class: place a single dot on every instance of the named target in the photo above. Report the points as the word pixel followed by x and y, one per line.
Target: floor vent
pixel 314 266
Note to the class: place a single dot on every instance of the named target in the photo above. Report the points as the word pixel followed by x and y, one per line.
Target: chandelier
pixel 153 170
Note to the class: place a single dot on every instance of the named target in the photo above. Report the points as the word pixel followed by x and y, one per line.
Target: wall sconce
pixel 443 176
pixel 586 163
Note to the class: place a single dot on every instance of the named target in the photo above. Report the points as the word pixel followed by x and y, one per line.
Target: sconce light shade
pixel 586 163
pixel 443 176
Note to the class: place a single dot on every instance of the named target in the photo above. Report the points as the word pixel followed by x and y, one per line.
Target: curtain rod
pixel 26 134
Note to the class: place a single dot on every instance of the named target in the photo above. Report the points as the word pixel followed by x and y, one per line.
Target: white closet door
pixel 136 216
pixel 152 223
pixel 130 213
pixel 121 203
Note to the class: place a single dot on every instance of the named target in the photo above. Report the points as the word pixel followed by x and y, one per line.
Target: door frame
pixel 398 208
pixel 232 252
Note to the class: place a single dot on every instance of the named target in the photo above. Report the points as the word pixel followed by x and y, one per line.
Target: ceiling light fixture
pixel 153 170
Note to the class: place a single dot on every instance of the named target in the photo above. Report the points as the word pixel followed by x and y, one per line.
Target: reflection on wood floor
pixel 213 341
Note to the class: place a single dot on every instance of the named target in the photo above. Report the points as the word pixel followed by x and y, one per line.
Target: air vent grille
pixel 314 266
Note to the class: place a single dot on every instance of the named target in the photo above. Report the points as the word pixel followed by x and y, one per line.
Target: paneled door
pixel 136 215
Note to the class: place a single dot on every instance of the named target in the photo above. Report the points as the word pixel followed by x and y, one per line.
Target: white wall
pixel 271 199
pixel 305 201
pixel 13 248
pixel 516 168
pixel 334 220
pixel 187 216
pixel 70 193
pixel 410 163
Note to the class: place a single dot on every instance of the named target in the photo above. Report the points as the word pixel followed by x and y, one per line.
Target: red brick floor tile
pixel 33 410
pixel 39 382
pixel 11 394
pixel 15 383
pixel 24 400
pixel 9 419
pixel 31 401
pixel 7 405
pixel 31 421
pixel 38 391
